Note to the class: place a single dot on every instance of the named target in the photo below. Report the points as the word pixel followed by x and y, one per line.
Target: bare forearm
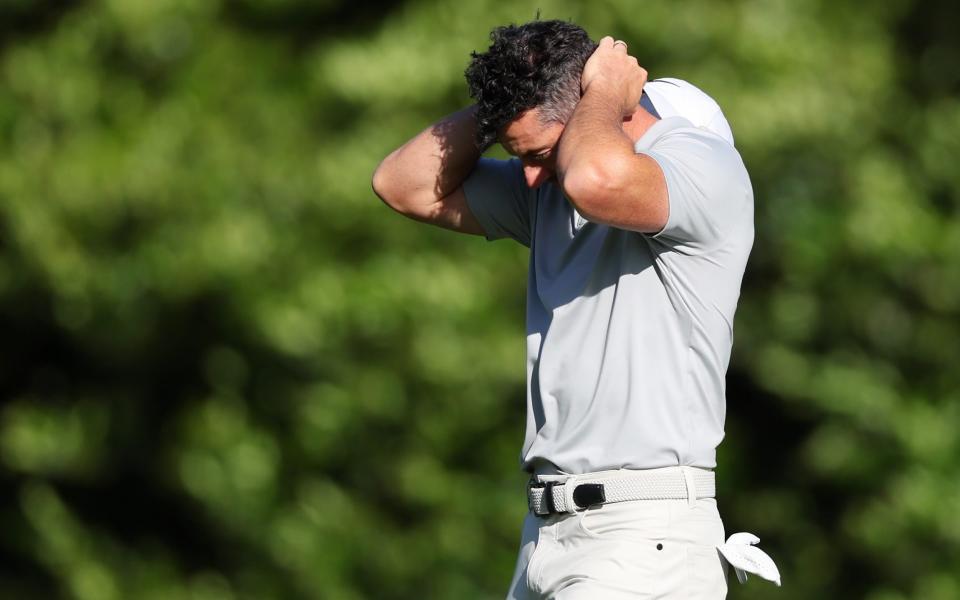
pixel 594 146
pixel 431 165
pixel 602 175
pixel 596 163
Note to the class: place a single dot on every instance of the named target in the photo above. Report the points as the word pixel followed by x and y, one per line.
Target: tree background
pixel 227 371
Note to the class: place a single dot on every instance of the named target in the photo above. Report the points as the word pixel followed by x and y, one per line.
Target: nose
pixel 536 175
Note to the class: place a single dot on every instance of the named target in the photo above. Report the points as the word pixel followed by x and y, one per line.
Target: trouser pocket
pixel 707 573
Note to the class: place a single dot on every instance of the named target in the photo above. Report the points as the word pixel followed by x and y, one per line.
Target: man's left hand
pixel 613 72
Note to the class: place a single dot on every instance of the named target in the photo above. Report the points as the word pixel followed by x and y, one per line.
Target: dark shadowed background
pixel 227 371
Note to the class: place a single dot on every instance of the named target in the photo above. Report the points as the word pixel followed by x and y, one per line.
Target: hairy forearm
pixel 431 165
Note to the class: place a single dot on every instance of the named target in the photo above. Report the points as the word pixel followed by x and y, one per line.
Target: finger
pixel 606 41
pixel 620 44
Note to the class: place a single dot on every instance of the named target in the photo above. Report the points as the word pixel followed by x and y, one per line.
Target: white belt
pixel 577 492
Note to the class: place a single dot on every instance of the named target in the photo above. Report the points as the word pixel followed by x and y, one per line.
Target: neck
pixel 638 123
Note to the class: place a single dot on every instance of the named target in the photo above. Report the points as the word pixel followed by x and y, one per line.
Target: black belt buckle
pixel 588 494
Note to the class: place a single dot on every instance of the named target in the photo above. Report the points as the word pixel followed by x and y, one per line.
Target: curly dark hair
pixel 537 64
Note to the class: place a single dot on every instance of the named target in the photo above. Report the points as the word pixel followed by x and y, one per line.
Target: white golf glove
pixel 740 551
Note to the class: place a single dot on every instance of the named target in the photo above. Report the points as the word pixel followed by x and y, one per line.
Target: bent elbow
pixel 589 187
pixel 383 185
pixel 380 181
pixel 618 193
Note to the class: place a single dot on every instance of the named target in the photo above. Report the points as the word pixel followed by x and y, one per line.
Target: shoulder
pixel 677 141
pixel 673 97
pixel 708 188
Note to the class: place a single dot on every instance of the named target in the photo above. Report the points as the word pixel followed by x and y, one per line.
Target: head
pixel 526 86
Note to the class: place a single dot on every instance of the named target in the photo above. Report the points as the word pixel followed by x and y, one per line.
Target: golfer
pixel 638 213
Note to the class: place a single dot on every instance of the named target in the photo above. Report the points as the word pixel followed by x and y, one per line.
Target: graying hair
pixel 560 99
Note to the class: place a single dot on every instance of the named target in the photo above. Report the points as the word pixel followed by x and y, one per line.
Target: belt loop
pixel 569 486
pixel 691 485
pixel 548 494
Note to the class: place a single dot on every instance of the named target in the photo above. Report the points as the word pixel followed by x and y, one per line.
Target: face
pixel 534 144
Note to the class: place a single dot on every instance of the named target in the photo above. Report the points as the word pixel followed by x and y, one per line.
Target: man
pixel 639 228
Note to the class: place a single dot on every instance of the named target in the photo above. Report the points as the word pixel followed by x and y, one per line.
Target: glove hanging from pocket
pixel 740 551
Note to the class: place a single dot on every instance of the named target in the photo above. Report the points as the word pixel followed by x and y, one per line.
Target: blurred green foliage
pixel 229 372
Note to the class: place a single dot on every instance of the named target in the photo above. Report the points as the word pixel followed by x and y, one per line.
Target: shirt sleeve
pixel 499 198
pixel 708 188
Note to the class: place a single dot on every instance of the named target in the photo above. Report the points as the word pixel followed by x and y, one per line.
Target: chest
pixel 572 257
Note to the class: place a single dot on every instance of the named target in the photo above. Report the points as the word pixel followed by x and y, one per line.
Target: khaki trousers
pixel 651 549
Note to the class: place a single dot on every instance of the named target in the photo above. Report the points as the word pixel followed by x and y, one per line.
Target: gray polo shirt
pixel 628 334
